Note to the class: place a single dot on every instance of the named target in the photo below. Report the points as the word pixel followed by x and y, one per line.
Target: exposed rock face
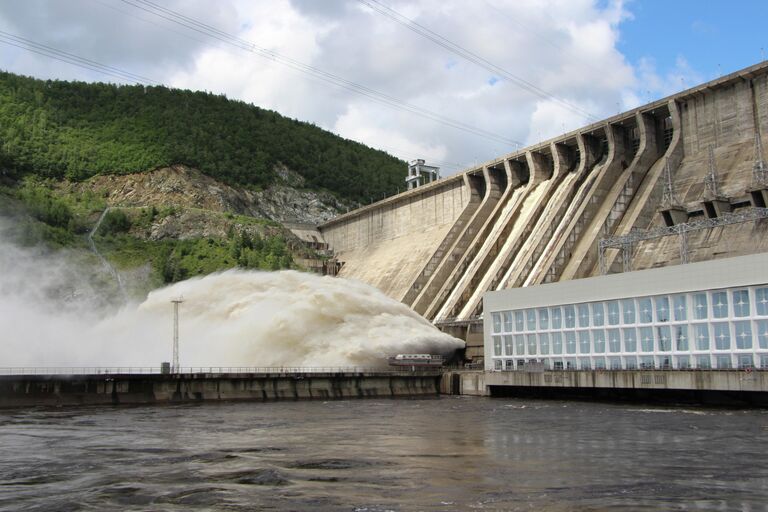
pixel 186 187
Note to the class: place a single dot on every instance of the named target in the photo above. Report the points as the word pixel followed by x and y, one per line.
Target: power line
pixel 372 94
pixel 471 56
pixel 70 58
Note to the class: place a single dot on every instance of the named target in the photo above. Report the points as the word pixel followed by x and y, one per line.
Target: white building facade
pixel 708 315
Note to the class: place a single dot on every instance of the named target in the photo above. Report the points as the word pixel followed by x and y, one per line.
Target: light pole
pixel 175 365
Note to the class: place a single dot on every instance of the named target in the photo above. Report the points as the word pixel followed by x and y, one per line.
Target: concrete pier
pixel 105 389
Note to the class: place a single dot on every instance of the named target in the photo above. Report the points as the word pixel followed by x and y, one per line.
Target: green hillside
pixel 76 130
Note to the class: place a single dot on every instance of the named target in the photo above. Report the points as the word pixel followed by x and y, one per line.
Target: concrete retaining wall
pixel 58 390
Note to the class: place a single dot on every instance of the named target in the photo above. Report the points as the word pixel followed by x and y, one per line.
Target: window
pixel 508 323
pixel 583 342
pixel 599 363
pixel 557 317
pixel 544 343
pixel 497 364
pixel 681 337
pixel 557 343
pixel 583 315
pixel 683 362
pixel 630 340
pixel 628 308
pixel 743 334
pixel 531 344
pixel 740 303
pixel 762 333
pixel 719 305
pixel 646 339
pixel 665 338
pixel 722 334
pixel 631 363
pixel 585 363
pixel 745 361
pixel 519 321
pixel 662 309
pixel 681 308
pixel 723 362
pixel 496 322
pixel 613 312
pixel 544 318
pixel 614 340
pixel 761 301
pixel 647 363
pixel 519 344
pixel 497 345
pixel 530 319
pixel 570 317
pixel 598 337
pixel 570 342
pixel 764 361
pixel 703 362
pixel 570 363
pixel 558 364
pixel 615 363
pixel 645 311
pixel 597 314
pixel 700 306
pixel 701 333
pixel 508 345
pixel 509 364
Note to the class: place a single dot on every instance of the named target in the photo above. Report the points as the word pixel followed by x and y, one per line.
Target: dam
pixel 682 179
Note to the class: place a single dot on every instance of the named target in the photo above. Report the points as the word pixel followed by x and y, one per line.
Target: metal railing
pixel 202 370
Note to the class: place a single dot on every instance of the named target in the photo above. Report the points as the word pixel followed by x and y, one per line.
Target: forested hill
pixel 77 130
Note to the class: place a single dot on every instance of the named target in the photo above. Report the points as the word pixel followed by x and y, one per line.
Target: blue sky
pixel 706 33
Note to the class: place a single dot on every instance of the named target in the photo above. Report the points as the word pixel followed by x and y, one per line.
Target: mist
pixel 51 314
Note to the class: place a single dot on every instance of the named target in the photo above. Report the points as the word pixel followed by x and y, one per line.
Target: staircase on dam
pixel 539 214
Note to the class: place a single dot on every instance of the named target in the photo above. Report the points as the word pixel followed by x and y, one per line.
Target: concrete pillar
pixel 562 157
pixel 538 166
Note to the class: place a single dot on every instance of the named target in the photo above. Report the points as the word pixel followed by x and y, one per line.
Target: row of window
pixel 739 335
pixel 740 303
pixel 679 362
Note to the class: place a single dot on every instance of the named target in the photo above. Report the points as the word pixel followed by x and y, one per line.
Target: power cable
pixel 471 56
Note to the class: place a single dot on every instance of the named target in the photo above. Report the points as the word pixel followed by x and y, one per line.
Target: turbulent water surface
pixel 370 455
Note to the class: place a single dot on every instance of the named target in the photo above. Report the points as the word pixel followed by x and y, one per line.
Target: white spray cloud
pixel 50 316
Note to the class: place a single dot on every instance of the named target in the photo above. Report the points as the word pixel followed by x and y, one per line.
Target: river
pixel 449 453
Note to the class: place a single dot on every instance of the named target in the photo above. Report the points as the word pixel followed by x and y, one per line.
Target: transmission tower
pixel 669 200
pixel 710 180
pixel 176 303
pixel 759 171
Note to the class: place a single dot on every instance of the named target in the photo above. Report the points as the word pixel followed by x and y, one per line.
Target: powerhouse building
pixel 706 315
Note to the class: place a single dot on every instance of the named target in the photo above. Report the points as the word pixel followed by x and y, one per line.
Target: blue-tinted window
pixel 761 301
pixel 519 321
pixel 662 309
pixel 583 315
pixel 631 363
pixel 544 318
pixel 630 339
pixel 703 362
pixel 722 333
pixel 665 338
pixel 628 308
pixel 557 343
pixel 508 345
pixel 530 319
pixel 497 345
pixel 683 362
pixel 508 323
pixel 700 306
pixel 584 342
pixel 598 338
pixel 556 315
pixel 519 344
pixel 647 362
pixel 719 305
pixel 531 344
pixel 600 363
pixel 745 361
pixel 743 330
pixel 613 312
pixel 723 362
pixel 496 322
pixel 645 311
pixel 615 363
pixel 570 342
pixel 762 333
pixel 646 339
pixel 681 337
pixel 585 363
pixel 598 315
pixel 544 343
pixel 569 313
pixel 681 308
pixel 740 302
pixel 701 334
pixel 614 340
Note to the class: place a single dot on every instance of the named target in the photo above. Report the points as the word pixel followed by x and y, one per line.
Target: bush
pixel 115 221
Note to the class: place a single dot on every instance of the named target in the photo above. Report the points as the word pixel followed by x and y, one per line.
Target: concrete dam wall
pixel 538 215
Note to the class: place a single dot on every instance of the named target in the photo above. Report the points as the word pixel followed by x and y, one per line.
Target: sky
pixel 456 82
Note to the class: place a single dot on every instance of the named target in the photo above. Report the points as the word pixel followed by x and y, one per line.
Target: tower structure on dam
pixel 683 179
